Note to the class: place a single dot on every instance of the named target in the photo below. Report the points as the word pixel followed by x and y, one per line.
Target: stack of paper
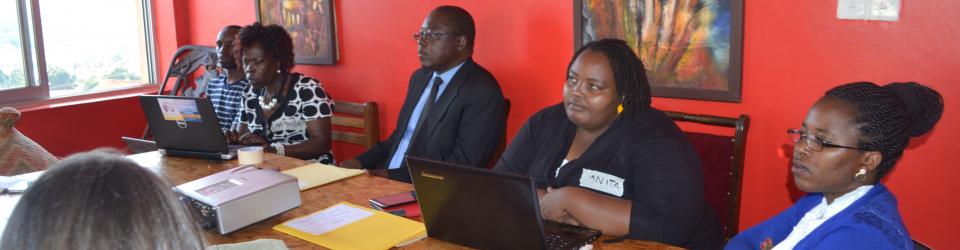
pixel 317 174
pixel 348 226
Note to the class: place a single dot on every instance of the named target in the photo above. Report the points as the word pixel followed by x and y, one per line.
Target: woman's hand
pixel 581 206
pixel 254 139
pixel 554 204
pixel 233 137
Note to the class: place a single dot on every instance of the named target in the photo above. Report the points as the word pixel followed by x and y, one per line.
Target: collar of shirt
pixel 446 76
pixel 222 78
pixel 820 214
pixel 842 202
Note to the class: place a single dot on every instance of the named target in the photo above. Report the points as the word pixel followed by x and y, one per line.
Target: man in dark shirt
pixel 454 109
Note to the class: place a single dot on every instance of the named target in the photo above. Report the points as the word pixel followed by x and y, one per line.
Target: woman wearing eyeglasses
pixel 850 140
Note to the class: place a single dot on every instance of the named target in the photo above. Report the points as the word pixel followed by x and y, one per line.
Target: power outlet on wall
pixel 883 10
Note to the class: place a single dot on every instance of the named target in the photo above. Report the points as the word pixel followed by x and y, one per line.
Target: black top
pixel 646 160
pixel 464 125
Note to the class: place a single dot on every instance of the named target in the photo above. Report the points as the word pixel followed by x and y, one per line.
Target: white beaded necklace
pixel 270 105
pixel 273 101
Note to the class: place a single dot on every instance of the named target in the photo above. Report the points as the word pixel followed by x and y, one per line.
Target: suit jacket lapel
pixel 417 85
pixel 449 94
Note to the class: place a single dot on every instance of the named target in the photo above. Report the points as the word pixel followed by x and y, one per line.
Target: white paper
pixel 330 219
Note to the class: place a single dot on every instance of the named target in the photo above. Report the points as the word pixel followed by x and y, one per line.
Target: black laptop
pixel 484 209
pixel 186 127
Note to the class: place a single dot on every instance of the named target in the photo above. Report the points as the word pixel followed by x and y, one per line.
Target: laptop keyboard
pixel 559 242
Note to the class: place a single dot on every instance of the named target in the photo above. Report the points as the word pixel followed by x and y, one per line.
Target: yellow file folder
pixel 309 176
pixel 359 228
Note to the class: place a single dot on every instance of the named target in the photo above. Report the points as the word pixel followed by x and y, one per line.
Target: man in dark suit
pixel 454 109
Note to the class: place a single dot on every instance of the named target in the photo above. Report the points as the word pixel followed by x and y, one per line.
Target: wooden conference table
pixel 356 190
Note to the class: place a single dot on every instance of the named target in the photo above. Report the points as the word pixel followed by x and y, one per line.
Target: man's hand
pixel 352 164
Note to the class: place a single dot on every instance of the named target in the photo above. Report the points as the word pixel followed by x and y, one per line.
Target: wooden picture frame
pixel 311 24
pixel 691 49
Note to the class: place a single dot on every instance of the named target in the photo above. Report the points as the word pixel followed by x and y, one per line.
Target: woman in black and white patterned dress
pixel 286 112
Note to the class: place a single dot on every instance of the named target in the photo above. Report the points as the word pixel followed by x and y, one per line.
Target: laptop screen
pixel 477 207
pixel 183 123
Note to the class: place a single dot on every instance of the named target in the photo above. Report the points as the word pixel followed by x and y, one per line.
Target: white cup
pixel 250 155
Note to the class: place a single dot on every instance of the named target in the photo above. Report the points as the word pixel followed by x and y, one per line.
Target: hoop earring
pixel 861 175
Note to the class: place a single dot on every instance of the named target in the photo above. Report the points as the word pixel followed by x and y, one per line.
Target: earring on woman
pixel 861 175
pixel 620 106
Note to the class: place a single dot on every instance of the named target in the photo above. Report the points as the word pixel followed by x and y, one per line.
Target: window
pixel 59 48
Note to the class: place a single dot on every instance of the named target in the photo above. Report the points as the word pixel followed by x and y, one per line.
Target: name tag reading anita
pixel 602 182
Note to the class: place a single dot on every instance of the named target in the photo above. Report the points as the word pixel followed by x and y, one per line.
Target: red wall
pixel 793 52
pixel 72 128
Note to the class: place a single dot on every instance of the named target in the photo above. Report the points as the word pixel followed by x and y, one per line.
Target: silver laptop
pixel 186 127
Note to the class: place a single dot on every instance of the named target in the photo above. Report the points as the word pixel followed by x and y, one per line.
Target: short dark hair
pixel 888 116
pixel 274 40
pixel 462 22
pixel 100 200
pixel 628 72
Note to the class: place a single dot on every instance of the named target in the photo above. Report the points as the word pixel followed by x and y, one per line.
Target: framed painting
pixel 691 49
pixel 311 24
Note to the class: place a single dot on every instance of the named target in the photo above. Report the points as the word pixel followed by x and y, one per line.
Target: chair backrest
pixel 722 161
pixel 503 137
pixel 185 62
pixel 362 119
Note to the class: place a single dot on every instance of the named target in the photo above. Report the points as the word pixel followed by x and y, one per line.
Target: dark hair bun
pixel 924 105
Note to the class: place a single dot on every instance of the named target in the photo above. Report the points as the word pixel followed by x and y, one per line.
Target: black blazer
pixel 464 127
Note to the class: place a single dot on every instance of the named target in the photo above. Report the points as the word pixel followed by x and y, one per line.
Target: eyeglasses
pixel 432 36
pixel 814 143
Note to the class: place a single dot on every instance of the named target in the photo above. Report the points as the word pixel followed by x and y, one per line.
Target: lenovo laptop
pixel 484 209
pixel 186 127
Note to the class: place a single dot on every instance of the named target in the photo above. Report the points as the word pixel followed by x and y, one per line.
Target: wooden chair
pixel 722 161
pixel 363 117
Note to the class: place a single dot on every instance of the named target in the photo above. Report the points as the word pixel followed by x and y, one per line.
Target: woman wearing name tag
pixel 285 112
pixel 627 171
pixel 849 141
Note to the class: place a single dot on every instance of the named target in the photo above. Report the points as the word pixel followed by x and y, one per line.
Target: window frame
pixel 37 90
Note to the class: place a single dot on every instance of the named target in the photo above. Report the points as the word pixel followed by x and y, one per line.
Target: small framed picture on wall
pixel 311 24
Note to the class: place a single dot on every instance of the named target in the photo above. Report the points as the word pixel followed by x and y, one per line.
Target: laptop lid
pixel 481 208
pixel 181 123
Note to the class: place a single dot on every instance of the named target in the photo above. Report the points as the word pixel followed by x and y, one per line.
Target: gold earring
pixel 620 108
pixel 861 175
